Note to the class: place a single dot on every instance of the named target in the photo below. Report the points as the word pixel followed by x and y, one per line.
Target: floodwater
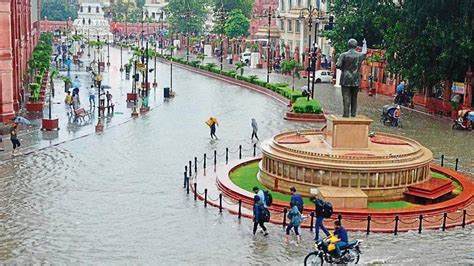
pixel 118 198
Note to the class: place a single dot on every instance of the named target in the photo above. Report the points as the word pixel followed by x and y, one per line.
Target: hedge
pixel 302 105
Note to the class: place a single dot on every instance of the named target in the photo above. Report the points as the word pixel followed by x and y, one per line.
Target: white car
pixel 245 57
pixel 323 76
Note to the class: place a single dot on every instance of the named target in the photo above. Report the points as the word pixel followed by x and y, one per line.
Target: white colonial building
pixel 154 9
pixel 91 21
pixel 294 30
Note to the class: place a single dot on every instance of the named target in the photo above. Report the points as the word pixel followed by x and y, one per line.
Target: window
pixel 290 46
pixel 96 9
pixel 290 4
pixel 82 9
pixel 88 9
pixel 299 3
pixel 298 26
pixel 282 24
pixel 290 26
pixel 282 5
pixel 323 73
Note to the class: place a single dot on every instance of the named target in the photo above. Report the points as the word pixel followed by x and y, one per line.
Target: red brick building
pixel 19 26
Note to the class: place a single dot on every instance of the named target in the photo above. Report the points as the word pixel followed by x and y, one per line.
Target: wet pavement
pixel 117 197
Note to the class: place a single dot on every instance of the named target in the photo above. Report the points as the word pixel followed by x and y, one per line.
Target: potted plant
pixel 34 104
pixel 291 67
pixel 50 123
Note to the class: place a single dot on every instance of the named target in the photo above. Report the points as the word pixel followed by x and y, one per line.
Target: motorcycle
pixel 349 254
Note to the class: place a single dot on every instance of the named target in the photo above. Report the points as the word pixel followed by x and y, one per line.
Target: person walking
pixel 294 215
pixel 1 142
pixel 258 192
pixel 68 101
pixel 258 215
pixel 212 123
pixel 254 128
pixel 75 101
pixel 92 96
pixel 297 199
pixel 108 96
pixel 319 217
pixel 14 138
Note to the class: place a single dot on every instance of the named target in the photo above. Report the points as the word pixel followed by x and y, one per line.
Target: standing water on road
pixel 118 197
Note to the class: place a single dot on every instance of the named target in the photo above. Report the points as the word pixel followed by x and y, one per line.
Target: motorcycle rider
pixel 341 234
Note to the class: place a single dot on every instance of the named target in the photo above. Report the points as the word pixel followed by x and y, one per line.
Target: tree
pixel 126 10
pixel 291 67
pixel 361 19
pixel 237 25
pixel 58 10
pixel 240 66
pixel 229 5
pixel 433 43
pixel 187 15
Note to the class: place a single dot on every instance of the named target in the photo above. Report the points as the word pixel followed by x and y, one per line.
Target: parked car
pixel 323 76
pixel 245 57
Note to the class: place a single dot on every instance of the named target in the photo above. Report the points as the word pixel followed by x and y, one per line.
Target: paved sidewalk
pixel 33 138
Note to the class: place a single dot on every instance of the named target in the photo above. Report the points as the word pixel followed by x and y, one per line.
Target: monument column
pixel 6 63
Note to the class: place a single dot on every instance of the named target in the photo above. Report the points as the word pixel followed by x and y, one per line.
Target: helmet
pixel 398 106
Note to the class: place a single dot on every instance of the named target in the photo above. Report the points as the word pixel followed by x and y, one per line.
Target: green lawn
pixel 246 178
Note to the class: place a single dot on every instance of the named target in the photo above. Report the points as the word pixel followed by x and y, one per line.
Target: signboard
pixel 458 87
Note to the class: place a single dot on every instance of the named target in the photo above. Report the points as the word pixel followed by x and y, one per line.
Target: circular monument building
pixel 346 163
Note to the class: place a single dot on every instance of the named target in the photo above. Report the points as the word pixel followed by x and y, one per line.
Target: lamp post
pixel 99 127
pixel 121 63
pixel 221 17
pixel 269 13
pixel 161 32
pixel 108 52
pixel 88 43
pixel 143 21
pixel 187 15
pixel 154 77
pixel 310 13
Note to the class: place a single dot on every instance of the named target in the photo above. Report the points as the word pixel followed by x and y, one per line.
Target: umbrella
pixel 21 120
pixel 304 88
pixel 106 87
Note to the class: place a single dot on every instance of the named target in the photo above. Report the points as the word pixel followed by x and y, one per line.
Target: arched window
pixel 89 21
pixel 82 9
pixel 89 9
pixel 96 9
pixel 83 21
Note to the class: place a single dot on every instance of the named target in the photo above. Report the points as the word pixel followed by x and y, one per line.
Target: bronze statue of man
pixel 349 63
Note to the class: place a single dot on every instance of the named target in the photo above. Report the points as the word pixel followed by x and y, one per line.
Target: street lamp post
pixel 312 49
pixel 161 32
pixel 269 14
pixel 154 77
pixel 108 52
pixel 121 62
pixel 88 43
pixel 99 127
pixel 221 16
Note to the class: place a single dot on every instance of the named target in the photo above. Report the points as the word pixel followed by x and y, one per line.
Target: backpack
pixel 268 198
pixel 327 209
pixel 266 215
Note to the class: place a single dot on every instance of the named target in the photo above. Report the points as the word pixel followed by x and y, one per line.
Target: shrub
pixel 195 63
pixel 281 84
pixel 34 91
pixel 302 105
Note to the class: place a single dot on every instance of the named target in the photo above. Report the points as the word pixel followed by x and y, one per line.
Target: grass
pixel 401 204
pixel 457 187
pixel 302 105
pixel 246 178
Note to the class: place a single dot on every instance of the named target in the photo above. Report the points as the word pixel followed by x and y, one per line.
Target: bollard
pixel 240 151
pixel 339 218
pixel 369 218
pixel 204 160
pixel 445 215
pixel 464 212
pixel 284 217
pixel 442 159
pixel 195 165
pixel 254 149
pixel 240 208
pixel 456 165
pixel 226 155
pixel 185 177
pixel 220 203
pixel 215 157
pixel 190 169
pixel 395 232
pixel 205 197
pixel 312 222
pixel 195 191
pixel 187 185
pixel 421 224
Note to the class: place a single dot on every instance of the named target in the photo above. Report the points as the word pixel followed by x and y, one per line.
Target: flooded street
pixel 117 198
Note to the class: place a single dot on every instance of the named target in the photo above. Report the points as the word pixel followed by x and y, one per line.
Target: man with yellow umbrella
pixel 212 123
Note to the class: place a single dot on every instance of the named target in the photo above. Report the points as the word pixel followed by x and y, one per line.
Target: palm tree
pixel 201 57
pixel 293 67
pixel 240 66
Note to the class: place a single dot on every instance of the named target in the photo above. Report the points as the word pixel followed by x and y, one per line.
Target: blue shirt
pixel 261 195
pixel 341 233
pixel 400 88
pixel 296 198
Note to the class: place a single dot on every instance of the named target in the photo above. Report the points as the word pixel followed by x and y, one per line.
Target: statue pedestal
pixel 347 132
